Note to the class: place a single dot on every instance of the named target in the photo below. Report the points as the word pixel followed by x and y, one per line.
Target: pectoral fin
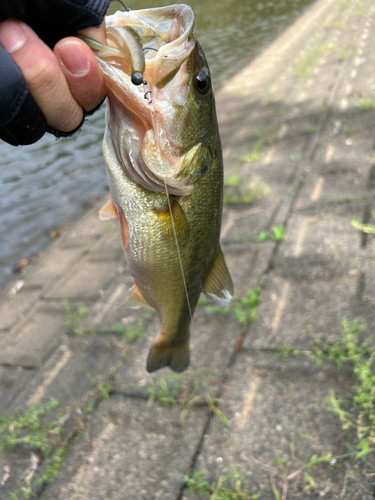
pixel 108 211
pixel 219 286
pixel 177 219
pixel 135 298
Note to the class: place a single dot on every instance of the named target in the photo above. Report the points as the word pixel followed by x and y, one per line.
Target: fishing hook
pixel 147 91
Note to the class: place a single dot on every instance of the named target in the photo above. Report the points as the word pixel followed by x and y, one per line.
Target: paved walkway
pixel 298 135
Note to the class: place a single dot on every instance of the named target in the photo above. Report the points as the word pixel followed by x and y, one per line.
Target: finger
pixel 21 120
pixel 86 85
pixel 43 74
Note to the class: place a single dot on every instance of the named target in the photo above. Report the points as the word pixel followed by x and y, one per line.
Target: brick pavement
pixel 297 129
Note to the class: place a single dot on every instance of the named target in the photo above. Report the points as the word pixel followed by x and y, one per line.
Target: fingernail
pixel 73 58
pixel 12 36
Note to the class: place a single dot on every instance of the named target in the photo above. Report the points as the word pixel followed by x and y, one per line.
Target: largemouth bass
pixel 165 170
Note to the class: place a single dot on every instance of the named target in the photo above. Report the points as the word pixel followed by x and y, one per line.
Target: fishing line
pixel 179 255
pixel 127 9
pixel 173 224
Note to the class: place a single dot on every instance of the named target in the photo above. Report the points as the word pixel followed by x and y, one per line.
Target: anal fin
pixel 219 286
pixel 176 356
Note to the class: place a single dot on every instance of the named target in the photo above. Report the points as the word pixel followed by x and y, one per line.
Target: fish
pixel 164 166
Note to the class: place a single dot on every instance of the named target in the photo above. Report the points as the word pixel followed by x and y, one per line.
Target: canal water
pixel 52 183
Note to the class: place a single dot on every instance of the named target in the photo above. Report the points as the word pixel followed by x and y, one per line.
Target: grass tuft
pixel 74 316
pixel 227 487
pixel 40 429
pixel 277 234
pixel 366 228
pixel 359 356
pixel 309 60
pixel 366 103
pixel 237 192
pixel 188 389
pixel 243 309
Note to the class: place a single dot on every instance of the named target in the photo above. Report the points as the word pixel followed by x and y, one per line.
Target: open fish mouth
pixel 148 76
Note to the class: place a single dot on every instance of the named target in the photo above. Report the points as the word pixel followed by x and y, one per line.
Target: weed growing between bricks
pixel 133 333
pixel 74 316
pixel 227 487
pixel 365 228
pixel 191 388
pixel 243 309
pixel 41 430
pixel 238 191
pixel 49 430
pixel 357 411
pixel 277 234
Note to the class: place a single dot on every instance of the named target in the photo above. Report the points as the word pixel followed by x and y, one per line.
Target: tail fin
pixel 176 356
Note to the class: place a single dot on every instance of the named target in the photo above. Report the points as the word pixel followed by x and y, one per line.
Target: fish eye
pixel 202 82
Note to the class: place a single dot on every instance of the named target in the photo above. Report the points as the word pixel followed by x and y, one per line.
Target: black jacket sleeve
pixel 21 121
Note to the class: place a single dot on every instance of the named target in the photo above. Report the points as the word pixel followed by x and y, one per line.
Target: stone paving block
pixel 364 302
pixel 130 452
pixel 326 234
pixel 72 370
pixel 13 307
pixel 246 225
pixel 88 229
pixel 12 381
pixel 54 265
pixel 111 308
pixel 288 310
pixel 89 280
pixel 30 342
pixel 277 410
pixel 213 341
pixel 71 376
pixel 95 271
pixel 247 264
pixel 329 194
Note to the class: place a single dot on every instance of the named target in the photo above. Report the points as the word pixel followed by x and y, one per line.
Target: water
pixel 51 183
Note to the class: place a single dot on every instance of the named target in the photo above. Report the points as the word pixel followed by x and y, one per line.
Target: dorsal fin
pixel 180 223
pixel 219 286
pixel 135 298
pixel 108 211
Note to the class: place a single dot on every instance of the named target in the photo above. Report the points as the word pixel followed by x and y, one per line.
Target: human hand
pixel 65 83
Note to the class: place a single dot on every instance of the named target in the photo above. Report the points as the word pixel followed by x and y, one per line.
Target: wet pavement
pixel 298 133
